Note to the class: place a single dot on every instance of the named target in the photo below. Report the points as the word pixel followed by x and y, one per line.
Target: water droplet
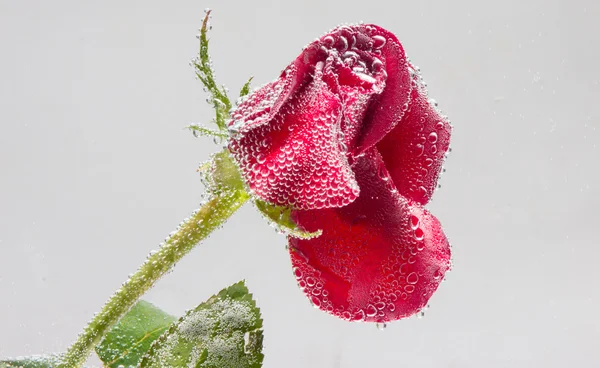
pixel 328 41
pixel 344 42
pixel 371 310
pixel 419 233
pixel 359 315
pixel 414 222
pixel 421 191
pixel 260 158
pixel 378 42
pixel 419 149
pixel 381 326
pixel 412 278
pixel 433 137
pixel 382 173
pixel 316 301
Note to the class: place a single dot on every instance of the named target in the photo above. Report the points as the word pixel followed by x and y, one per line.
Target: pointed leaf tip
pixel 246 88
pixel 203 66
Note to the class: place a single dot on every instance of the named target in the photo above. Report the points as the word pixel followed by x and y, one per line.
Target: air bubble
pixel 412 278
pixel 378 42
pixel 328 41
pixel 371 310
pixel 316 301
pixel 359 315
pixel 419 233
pixel 414 222
pixel 420 149
pixel 344 43
pixel 433 137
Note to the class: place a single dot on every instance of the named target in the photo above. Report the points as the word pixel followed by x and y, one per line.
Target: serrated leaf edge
pixel 175 325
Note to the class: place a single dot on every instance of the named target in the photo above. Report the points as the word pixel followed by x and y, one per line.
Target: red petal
pixel 294 157
pixel 379 259
pixel 414 150
pixel 387 109
pixel 355 69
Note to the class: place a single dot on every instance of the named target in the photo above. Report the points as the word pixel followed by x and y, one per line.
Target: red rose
pixel 347 137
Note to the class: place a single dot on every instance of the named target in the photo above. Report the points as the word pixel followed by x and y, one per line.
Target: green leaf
pixel 36 361
pixel 204 72
pixel 223 332
pixel 246 88
pixel 132 336
pixel 280 217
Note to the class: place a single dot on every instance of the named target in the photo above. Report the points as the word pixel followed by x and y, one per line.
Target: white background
pixel 96 169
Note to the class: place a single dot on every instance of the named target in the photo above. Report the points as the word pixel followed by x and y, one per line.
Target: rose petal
pixel 355 71
pixel 414 150
pixel 294 157
pixel 387 109
pixel 379 259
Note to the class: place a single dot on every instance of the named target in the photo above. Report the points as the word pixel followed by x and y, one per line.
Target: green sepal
pixel 202 65
pixel 281 218
pixel 220 174
pixel 246 88
pixel 198 130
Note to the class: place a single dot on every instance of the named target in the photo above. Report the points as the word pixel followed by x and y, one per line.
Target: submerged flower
pixel 347 138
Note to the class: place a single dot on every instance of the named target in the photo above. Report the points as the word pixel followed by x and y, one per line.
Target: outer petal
pixel 414 150
pixel 387 109
pixel 379 259
pixel 295 157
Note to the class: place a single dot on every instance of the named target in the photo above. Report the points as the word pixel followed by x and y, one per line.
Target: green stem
pixel 204 221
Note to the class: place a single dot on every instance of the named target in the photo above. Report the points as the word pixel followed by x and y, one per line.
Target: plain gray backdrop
pixel 96 170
